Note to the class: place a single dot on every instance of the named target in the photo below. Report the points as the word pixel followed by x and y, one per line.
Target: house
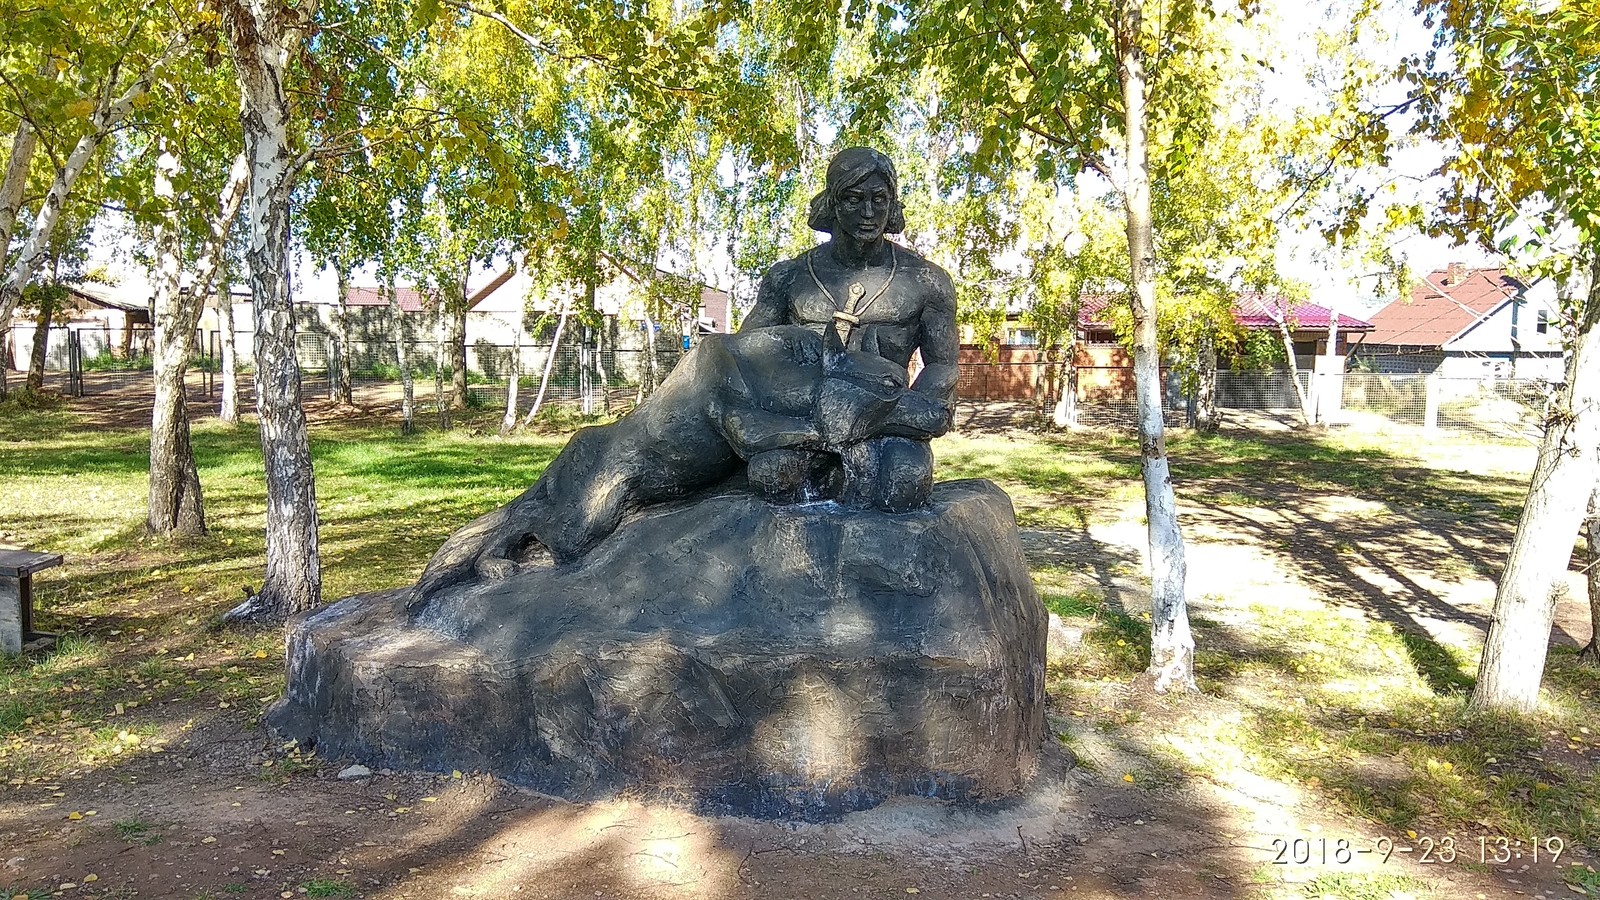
pixel 106 319
pixel 1010 370
pixel 1469 324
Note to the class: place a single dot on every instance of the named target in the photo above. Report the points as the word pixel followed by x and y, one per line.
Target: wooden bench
pixel 16 597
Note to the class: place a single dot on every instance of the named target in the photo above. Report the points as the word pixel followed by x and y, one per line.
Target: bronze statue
pixel 867 288
pixel 810 398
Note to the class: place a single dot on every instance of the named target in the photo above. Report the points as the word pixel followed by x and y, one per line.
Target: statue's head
pixel 854 171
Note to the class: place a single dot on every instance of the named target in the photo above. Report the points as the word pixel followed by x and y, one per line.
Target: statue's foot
pixel 891 474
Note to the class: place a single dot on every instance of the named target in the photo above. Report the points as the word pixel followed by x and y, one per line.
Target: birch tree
pixel 120 59
pixel 1512 96
pixel 263 35
pixel 176 506
pixel 1085 86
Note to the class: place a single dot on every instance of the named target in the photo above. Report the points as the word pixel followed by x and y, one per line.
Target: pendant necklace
pixel 847 316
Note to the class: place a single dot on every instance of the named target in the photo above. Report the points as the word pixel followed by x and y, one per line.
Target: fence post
pixel 1430 401
pixel 74 363
pixel 585 381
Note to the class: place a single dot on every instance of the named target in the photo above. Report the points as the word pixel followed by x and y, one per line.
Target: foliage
pixel 1511 91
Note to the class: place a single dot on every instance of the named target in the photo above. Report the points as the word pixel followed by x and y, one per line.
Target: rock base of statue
pixel 779 661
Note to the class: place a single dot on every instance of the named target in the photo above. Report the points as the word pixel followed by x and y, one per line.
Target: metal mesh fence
pixel 593 379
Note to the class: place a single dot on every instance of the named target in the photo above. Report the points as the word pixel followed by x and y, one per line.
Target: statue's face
pixel 862 209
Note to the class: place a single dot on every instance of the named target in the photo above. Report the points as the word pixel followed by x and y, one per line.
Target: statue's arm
pixel 939 342
pixel 772 300
pixel 926 410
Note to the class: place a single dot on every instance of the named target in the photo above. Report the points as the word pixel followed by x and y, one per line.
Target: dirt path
pixel 201 821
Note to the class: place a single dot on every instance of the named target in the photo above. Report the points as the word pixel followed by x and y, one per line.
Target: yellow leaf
pixel 1128 778
pixel 208 840
pixel 90 878
pixel 430 799
pixel 74 816
pixel 455 773
pixel 261 654
pixel 1411 834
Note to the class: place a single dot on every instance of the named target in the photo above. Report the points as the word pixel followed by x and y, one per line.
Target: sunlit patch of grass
pixel 138 831
pixel 1583 876
pixel 323 887
pixel 1366 886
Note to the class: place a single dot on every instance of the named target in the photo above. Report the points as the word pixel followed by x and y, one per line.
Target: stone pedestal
pixel 797 661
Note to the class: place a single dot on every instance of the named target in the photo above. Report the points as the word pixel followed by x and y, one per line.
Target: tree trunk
pixel 442 401
pixel 339 388
pixel 647 379
pixel 176 506
pixel 549 364
pixel 1306 412
pixel 230 361
pixel 1065 414
pixel 41 341
pixel 1206 418
pixel 457 329
pixel 1330 381
pixel 262 47
pixel 600 370
pixel 1536 566
pixel 1591 532
pixel 402 352
pixel 16 180
pixel 1171 642
pixel 509 420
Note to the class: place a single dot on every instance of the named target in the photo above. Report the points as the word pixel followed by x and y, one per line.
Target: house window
pixel 1541 321
pixel 1024 337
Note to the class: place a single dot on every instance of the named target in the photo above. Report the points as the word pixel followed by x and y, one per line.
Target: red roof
pixel 410 298
pixel 1442 307
pixel 1251 310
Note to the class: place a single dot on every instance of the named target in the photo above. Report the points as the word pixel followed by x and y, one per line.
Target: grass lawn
pixel 1341 694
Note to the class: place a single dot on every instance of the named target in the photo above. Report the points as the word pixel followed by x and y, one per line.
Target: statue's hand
pixel 481 549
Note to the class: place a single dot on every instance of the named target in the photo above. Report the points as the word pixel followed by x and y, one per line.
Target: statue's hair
pixel 847 169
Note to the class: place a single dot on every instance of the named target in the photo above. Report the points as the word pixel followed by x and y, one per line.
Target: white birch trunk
pixel 1206 418
pixel 1065 414
pixel 229 411
pixel 1591 534
pixel 549 364
pixel 1306 412
pixel 16 180
pixel 339 387
pixel 441 396
pixel 1535 577
pixel 1171 642
pixel 456 327
pixel 402 352
pixel 41 342
pixel 509 420
pixel 262 46
pixel 175 506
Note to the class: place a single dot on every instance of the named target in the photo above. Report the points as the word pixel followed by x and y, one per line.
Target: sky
pixel 1346 283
